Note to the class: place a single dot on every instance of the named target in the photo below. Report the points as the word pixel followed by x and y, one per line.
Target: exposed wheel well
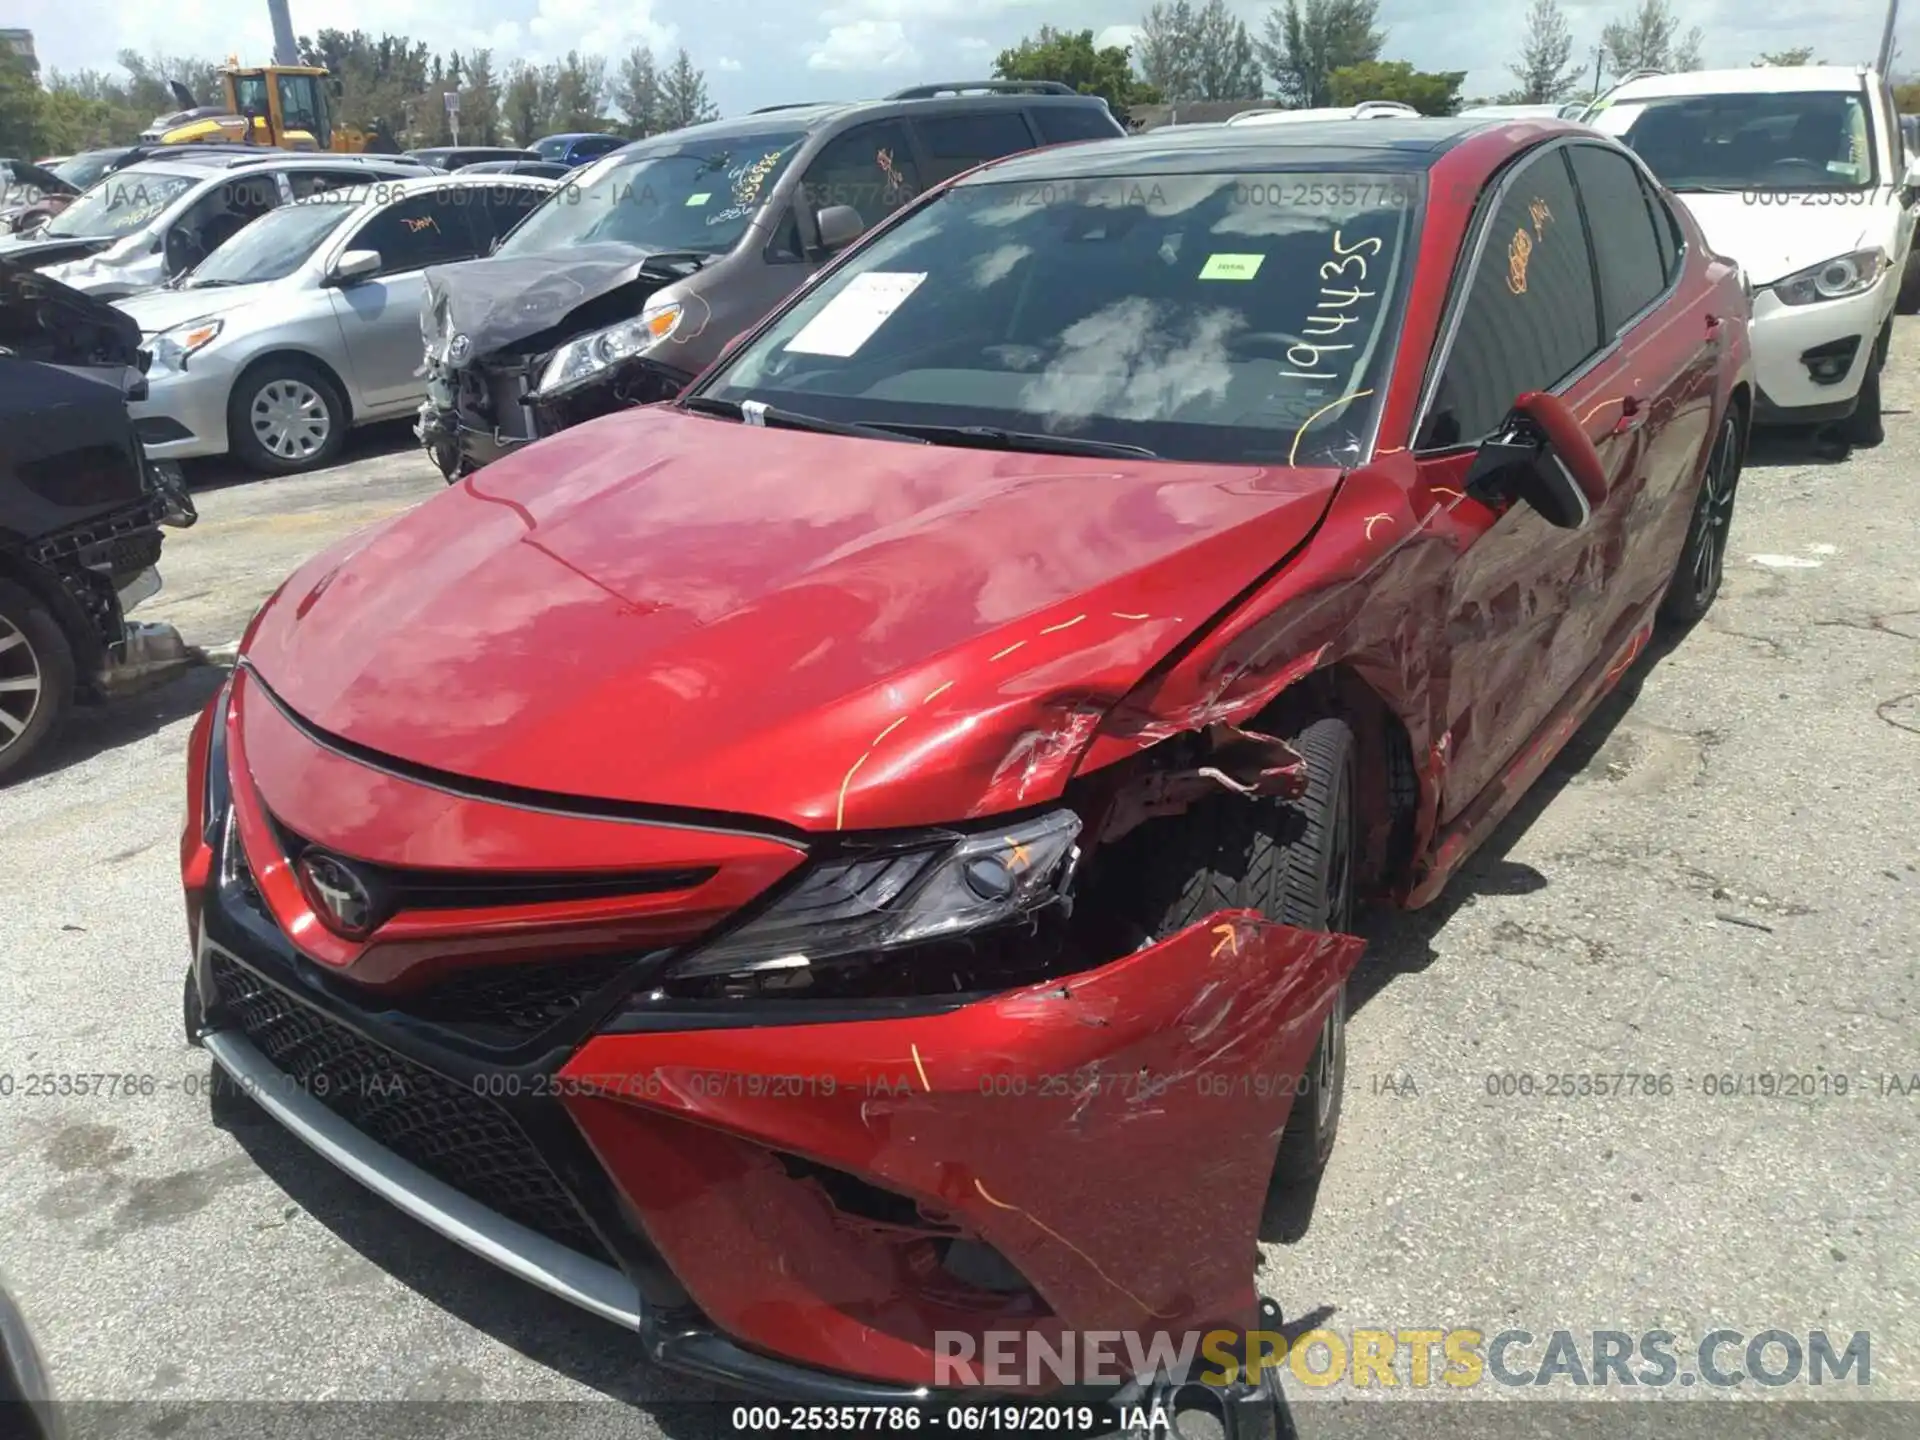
pixel 1388 786
pixel 88 652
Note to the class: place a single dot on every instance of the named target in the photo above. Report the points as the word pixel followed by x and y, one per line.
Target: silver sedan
pixel 307 322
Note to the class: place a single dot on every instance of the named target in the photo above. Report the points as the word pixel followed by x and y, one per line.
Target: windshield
pixel 274 246
pixel 120 204
pixel 553 148
pixel 1202 317
pixel 1794 140
pixel 699 196
pixel 82 170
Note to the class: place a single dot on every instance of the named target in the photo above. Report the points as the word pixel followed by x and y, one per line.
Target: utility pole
pixel 1599 59
pixel 1885 61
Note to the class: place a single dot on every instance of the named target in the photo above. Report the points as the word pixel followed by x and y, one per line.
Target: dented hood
pixel 42 319
pixel 496 301
pixel 663 608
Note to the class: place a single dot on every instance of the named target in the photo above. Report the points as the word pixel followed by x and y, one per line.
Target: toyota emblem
pixel 340 896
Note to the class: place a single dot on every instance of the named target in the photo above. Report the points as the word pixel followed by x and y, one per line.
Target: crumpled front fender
pixel 1111 1135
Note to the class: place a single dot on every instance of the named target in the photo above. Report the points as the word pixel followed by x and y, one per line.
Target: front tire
pixel 286 416
pixel 36 675
pixel 1866 428
pixel 1703 561
pixel 1295 863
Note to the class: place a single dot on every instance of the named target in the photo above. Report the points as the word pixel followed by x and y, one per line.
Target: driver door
pixel 380 316
pixel 1528 601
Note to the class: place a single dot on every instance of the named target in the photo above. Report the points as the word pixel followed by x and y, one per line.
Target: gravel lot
pixel 1718 878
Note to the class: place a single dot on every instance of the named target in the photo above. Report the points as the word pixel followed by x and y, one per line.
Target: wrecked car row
pixel 868 848
pixel 81 512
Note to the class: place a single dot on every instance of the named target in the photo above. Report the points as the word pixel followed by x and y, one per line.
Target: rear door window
pixel 963 140
pixel 498 208
pixel 1626 242
pixel 1530 316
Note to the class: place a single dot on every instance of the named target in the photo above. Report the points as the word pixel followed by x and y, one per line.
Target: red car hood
pixel 832 633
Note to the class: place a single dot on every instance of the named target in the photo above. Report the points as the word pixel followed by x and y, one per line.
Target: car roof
pixel 1754 80
pixel 581 135
pixel 807 116
pixel 1393 144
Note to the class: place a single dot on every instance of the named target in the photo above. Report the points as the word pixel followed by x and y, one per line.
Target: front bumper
pixel 184 416
pixel 1786 337
pixel 765 1203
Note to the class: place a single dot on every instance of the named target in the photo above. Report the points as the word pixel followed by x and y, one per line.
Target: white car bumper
pixel 1811 360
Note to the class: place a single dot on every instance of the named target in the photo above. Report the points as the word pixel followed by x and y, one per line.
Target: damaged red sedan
pixel 866 852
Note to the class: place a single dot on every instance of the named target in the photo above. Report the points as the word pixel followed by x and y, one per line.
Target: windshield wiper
pixel 987 437
pixel 695 258
pixel 793 419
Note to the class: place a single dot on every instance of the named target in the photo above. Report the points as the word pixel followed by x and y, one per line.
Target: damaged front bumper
pixel 812 1198
pixel 478 412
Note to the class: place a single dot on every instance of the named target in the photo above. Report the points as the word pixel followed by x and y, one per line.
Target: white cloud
pixel 1125 36
pixel 864 45
pixel 727 62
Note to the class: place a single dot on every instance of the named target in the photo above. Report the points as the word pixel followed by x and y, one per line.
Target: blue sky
pixel 757 53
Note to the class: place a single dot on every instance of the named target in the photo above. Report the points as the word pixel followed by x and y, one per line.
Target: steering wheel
pixel 183 250
pixel 1270 344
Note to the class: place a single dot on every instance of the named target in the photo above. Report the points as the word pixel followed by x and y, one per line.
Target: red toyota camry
pixel 865 853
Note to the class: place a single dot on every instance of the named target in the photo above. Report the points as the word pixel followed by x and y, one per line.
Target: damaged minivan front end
pixel 517 350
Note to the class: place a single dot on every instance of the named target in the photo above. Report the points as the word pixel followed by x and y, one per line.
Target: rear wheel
pixel 36 675
pixel 1703 562
pixel 1294 862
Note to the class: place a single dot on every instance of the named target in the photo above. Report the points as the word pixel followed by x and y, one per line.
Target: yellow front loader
pixel 289 106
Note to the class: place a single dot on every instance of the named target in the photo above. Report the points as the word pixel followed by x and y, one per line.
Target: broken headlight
pixel 579 362
pixel 866 909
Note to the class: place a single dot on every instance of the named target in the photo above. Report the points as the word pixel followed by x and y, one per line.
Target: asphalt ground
pixel 1716 884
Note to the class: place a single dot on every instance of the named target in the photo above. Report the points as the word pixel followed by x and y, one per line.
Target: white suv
pixel 1800 174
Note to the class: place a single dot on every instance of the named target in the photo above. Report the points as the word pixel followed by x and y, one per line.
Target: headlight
pixel 870 907
pixel 172 348
pixel 1833 279
pixel 579 361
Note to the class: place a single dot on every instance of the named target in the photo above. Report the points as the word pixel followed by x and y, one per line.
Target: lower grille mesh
pixel 454 1135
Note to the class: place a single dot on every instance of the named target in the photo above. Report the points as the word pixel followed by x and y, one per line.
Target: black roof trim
pixel 992 87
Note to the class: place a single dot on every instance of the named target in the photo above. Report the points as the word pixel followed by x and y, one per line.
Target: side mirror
pixel 840 226
pixel 1542 457
pixel 354 266
pixel 1912 184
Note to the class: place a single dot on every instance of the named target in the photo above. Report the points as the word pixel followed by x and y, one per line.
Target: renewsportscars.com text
pixel 1457 1358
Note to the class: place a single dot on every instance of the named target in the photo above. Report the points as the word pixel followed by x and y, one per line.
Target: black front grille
pixel 453 1134
pixel 506 1003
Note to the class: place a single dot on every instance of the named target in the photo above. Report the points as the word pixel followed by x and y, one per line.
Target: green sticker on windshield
pixel 701 198
pixel 1231 267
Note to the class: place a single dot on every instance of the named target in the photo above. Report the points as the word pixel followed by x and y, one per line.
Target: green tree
pixel 1798 55
pixel 1304 44
pixel 522 107
pixel 1650 39
pixel 683 95
pixel 20 105
pixel 479 99
pixel 1543 69
pixel 579 92
pixel 1435 92
pixel 636 94
pixel 1070 57
pixel 1198 53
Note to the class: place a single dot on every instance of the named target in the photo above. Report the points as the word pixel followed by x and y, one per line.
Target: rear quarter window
pixel 1063 124
pixel 961 141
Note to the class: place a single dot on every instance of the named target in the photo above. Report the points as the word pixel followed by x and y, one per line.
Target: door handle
pixel 1633 413
pixel 1714 322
